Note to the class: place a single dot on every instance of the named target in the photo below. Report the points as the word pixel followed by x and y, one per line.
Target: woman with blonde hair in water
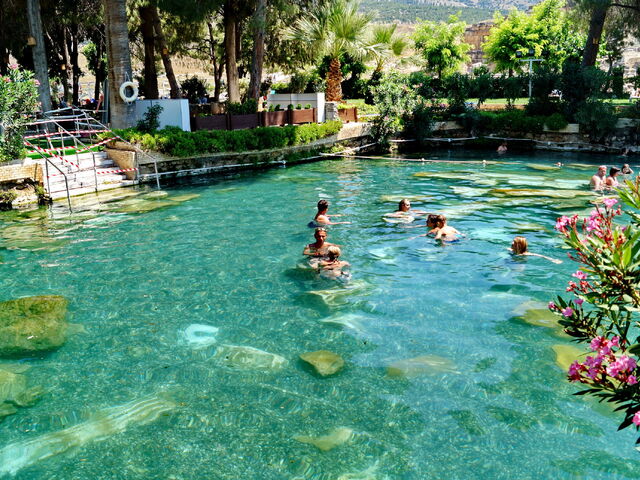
pixel 521 247
pixel 333 267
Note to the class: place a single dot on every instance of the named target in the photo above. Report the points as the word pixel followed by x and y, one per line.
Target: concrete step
pixel 62 194
pixel 59 185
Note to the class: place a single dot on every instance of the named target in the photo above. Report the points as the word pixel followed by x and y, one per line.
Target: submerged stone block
pixel 324 362
pixel 32 324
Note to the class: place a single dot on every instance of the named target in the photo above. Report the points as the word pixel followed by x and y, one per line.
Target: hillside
pixel 471 11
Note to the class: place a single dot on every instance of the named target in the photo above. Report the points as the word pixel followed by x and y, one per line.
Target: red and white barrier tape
pixel 96 145
pixel 122 170
pixel 58 134
pixel 44 151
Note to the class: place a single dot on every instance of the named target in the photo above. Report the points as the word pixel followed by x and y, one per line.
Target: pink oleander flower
pixel 594 362
pixel 574 371
pixel 580 275
pixel 610 202
pixel 572 286
pixel 636 419
pixel 598 343
pixel 552 306
pixel 567 312
pixel 578 301
pixel 615 341
pixel 37 82
pixel 621 365
pixel 632 380
pixel 13 66
pixel 562 222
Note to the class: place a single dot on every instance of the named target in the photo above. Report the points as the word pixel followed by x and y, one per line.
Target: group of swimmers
pixel 325 256
pixel 600 181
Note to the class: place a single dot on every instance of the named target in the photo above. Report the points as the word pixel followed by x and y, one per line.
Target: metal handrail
pixel 136 149
pixel 46 164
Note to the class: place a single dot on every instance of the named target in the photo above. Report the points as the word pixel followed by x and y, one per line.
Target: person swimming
pixel 404 213
pixel 442 231
pixel 519 246
pixel 612 181
pixel 322 218
pixel 626 169
pixel 502 149
pixel 333 267
pixel 320 246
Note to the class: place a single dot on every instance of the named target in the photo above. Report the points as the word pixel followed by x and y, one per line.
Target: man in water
pixel 597 181
pixel 320 247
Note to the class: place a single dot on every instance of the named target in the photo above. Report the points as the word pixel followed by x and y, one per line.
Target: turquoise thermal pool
pixel 190 307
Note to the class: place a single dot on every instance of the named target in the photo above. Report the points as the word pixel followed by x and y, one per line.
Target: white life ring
pixel 123 92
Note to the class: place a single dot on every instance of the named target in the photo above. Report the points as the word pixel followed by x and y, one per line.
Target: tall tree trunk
pixel 119 58
pixel 596 24
pixel 334 81
pixel 257 61
pixel 64 77
pixel 99 71
pixel 164 53
pixel 73 60
pixel 231 64
pixel 218 64
pixel 39 54
pixel 150 74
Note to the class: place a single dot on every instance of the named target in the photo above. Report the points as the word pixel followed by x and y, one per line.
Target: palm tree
pixel 391 45
pixel 334 30
pixel 119 59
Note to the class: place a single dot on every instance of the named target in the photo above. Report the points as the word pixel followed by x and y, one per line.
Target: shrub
pixel 421 122
pixel 307 106
pixel 556 122
pixel 150 121
pixel 7 196
pixel 272 108
pixel 278 107
pixel 395 101
pixel 298 107
pixel 173 141
pixel 457 88
pixel 194 89
pixel 244 108
pixel 290 106
pixel 18 100
pixel 597 118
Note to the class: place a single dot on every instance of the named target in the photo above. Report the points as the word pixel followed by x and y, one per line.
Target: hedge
pixel 175 142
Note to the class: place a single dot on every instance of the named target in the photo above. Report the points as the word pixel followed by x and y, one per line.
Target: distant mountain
pixel 471 11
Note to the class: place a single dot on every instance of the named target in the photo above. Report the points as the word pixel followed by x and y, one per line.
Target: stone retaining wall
pixel 351 135
pixel 568 139
pixel 16 172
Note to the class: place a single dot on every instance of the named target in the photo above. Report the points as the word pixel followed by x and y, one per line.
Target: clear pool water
pixel 489 400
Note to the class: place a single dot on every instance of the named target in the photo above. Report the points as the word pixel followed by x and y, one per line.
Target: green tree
pixel 442 45
pixel 334 30
pixel 547 31
pixel 391 44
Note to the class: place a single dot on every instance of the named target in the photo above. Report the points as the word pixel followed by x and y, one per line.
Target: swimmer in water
pixel 405 210
pixel 333 267
pixel 626 169
pixel 320 246
pixel 322 218
pixel 520 247
pixel 442 231
pixel 502 149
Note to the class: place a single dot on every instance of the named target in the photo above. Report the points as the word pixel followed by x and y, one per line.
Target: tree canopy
pixel 547 31
pixel 442 45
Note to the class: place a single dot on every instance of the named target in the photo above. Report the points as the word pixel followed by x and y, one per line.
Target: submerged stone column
pixel 331 111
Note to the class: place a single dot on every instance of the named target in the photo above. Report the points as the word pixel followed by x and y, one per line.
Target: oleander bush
pixel 175 142
pixel 18 100
pixel 601 307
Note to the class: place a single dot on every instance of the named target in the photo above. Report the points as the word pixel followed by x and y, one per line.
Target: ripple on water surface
pixel 195 307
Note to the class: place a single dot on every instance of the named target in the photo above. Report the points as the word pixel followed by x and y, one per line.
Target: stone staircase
pixel 82 180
